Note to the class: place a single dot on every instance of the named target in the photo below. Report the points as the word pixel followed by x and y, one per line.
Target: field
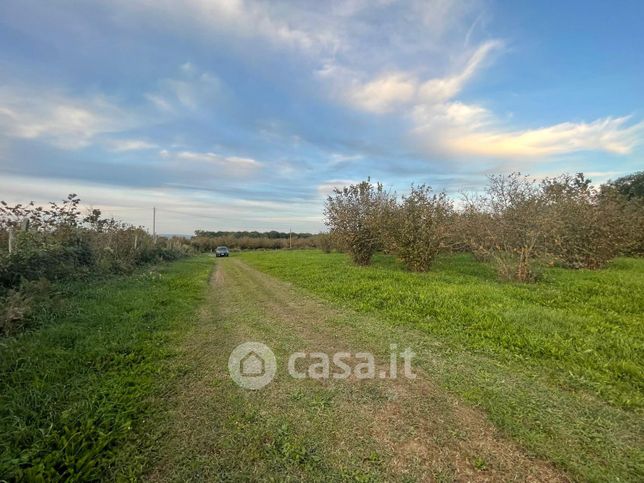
pixel 129 377
pixel 76 394
pixel 558 364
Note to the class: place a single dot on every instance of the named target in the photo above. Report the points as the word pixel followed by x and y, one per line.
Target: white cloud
pixel 178 211
pixel 611 135
pixel 120 145
pixel 443 89
pixel 326 188
pixel 395 90
pixel 239 19
pixel 56 117
pixel 192 90
pixel 212 164
pixel 384 93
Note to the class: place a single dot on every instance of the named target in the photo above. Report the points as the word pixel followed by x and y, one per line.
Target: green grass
pixel 556 365
pixel 583 328
pixel 79 395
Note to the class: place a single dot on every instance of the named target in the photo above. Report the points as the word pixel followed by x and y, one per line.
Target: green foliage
pixel 630 186
pixel 584 229
pixel 420 230
pixel 57 243
pixel 208 241
pixel 76 394
pixel 357 215
pixel 517 222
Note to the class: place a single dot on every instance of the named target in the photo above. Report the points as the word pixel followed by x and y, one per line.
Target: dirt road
pixel 350 429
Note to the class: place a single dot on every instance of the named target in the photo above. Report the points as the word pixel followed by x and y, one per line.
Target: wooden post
pixel 154 225
pixel 136 241
pixel 290 242
pixel 12 240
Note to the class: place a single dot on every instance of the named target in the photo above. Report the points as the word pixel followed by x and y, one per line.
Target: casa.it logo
pixel 252 365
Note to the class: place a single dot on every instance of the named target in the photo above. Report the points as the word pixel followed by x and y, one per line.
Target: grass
pixel 556 365
pixel 308 430
pixel 584 327
pixel 79 395
pixel 128 379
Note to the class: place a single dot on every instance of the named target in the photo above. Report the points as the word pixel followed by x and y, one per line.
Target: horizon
pixel 239 115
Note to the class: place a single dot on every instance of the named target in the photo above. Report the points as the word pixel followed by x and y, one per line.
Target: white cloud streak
pixel 65 121
pixel 212 164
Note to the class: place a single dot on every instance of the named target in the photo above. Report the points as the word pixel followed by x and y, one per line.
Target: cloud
pixel 384 93
pixel 611 135
pixel 191 90
pixel 394 90
pixel 326 188
pixel 120 145
pixel 212 164
pixel 58 118
pixel 239 19
pixel 443 125
pixel 470 130
pixel 178 210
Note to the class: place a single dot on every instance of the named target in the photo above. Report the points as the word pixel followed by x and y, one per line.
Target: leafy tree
pixel 630 186
pixel 357 216
pixel 421 231
pixel 585 229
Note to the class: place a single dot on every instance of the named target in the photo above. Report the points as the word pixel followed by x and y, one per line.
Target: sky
pixel 240 114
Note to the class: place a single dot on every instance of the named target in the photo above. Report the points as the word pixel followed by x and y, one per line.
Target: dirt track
pixel 319 430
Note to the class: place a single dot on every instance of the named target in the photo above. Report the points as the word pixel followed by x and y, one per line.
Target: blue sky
pixel 234 114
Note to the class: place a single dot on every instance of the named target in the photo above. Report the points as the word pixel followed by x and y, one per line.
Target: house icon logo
pixel 252 365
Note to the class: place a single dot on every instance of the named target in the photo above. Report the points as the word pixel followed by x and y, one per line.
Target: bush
pixel 506 225
pixel 56 243
pixel 585 230
pixel 420 230
pixel 356 216
pixel 20 303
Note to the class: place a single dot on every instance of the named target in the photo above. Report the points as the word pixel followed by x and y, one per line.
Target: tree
pixel 630 186
pixel 421 227
pixel 509 226
pixel 585 228
pixel 356 216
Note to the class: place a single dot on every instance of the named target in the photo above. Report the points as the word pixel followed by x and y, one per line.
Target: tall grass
pixel 77 395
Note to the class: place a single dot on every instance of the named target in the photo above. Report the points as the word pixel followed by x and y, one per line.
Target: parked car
pixel 222 251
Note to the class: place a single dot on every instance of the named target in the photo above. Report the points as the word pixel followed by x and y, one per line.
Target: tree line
pixel 516 222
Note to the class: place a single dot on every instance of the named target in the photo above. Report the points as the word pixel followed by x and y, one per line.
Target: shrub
pixel 421 227
pixel 585 230
pixel 507 225
pixel 356 216
pixel 324 242
pixel 630 186
pixel 57 243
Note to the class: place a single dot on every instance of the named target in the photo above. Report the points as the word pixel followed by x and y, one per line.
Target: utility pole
pixel 290 241
pixel 154 225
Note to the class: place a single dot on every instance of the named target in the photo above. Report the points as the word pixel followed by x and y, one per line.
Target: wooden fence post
pixel 12 240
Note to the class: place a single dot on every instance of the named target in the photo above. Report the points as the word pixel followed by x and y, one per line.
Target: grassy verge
pixel 519 352
pixel 76 395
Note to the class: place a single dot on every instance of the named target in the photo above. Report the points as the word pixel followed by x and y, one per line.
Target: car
pixel 222 252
